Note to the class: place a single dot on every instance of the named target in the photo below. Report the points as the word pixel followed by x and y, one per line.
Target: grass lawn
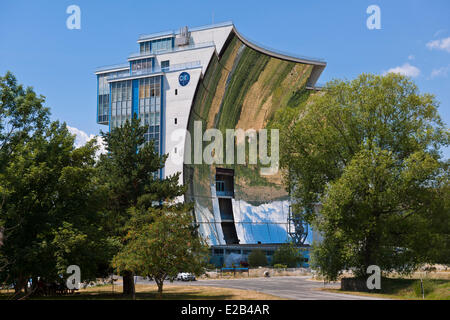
pixel 435 289
pixel 149 292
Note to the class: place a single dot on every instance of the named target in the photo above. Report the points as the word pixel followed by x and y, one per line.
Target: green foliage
pixel 280 266
pixel 287 255
pixel 368 151
pixel 129 172
pixel 22 116
pixel 165 247
pixel 49 214
pixel 257 258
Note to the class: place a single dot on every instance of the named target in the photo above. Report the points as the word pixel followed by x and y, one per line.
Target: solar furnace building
pixel 214 77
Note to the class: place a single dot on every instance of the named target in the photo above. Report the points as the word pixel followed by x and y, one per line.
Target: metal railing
pixel 174 49
pixel 112 67
pixel 150 71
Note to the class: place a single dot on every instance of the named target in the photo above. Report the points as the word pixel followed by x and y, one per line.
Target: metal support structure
pixel 297 227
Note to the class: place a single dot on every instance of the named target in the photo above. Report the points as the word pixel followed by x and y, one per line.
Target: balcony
pixel 158 70
pixel 138 55
pixel 109 68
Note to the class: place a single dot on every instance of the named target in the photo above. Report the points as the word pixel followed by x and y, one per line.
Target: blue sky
pixel 59 63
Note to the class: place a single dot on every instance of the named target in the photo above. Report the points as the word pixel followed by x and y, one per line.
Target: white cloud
pixel 81 138
pixel 411 57
pixel 441 72
pixel 406 69
pixel 440 44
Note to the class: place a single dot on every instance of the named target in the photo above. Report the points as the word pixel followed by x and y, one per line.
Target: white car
pixel 185 276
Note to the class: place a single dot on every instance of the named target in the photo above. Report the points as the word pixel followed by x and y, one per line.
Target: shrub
pixel 288 255
pixel 257 258
pixel 280 266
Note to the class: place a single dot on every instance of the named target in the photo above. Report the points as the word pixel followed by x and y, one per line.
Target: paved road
pixel 297 288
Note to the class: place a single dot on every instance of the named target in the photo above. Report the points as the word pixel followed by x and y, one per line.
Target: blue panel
pixel 97 99
pixel 109 111
pixel 161 125
pixel 135 98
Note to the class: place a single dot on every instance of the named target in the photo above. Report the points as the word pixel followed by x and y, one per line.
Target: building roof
pixel 318 64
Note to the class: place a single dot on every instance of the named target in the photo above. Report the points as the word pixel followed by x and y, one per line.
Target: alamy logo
pixel 73 281
pixel 374 20
pixel 234 145
pixel 74 20
pixel 374 281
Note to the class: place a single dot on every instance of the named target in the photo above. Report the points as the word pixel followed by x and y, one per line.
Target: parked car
pixel 185 276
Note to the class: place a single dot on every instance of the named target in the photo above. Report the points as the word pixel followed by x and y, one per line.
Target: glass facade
pixel 150 108
pixel 103 97
pixel 156 46
pixel 121 102
pixel 141 66
pixel 145 100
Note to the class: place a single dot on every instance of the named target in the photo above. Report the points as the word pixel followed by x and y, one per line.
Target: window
pixel 165 65
pixel 161 45
pixel 141 66
pixel 120 102
pixel 176 121
pixel 103 98
pixel 149 107
pixel 145 47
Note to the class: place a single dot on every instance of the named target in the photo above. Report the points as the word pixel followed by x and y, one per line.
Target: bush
pixel 257 258
pixel 280 266
pixel 210 266
pixel 287 255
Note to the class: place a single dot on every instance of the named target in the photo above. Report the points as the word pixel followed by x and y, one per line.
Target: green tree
pixel 22 115
pixel 50 212
pixel 367 153
pixel 288 255
pixel 163 248
pixel 49 196
pixel 130 173
pixel 257 258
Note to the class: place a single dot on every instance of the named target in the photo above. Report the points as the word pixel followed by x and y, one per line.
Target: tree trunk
pixel 20 284
pixel 160 283
pixel 128 284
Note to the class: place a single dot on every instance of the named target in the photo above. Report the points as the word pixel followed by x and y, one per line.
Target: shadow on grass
pixel 102 295
pixel 434 289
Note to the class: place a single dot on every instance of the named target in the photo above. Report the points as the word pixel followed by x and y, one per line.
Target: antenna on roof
pixel 183 38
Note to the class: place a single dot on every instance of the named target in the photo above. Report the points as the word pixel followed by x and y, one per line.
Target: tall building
pixel 212 77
